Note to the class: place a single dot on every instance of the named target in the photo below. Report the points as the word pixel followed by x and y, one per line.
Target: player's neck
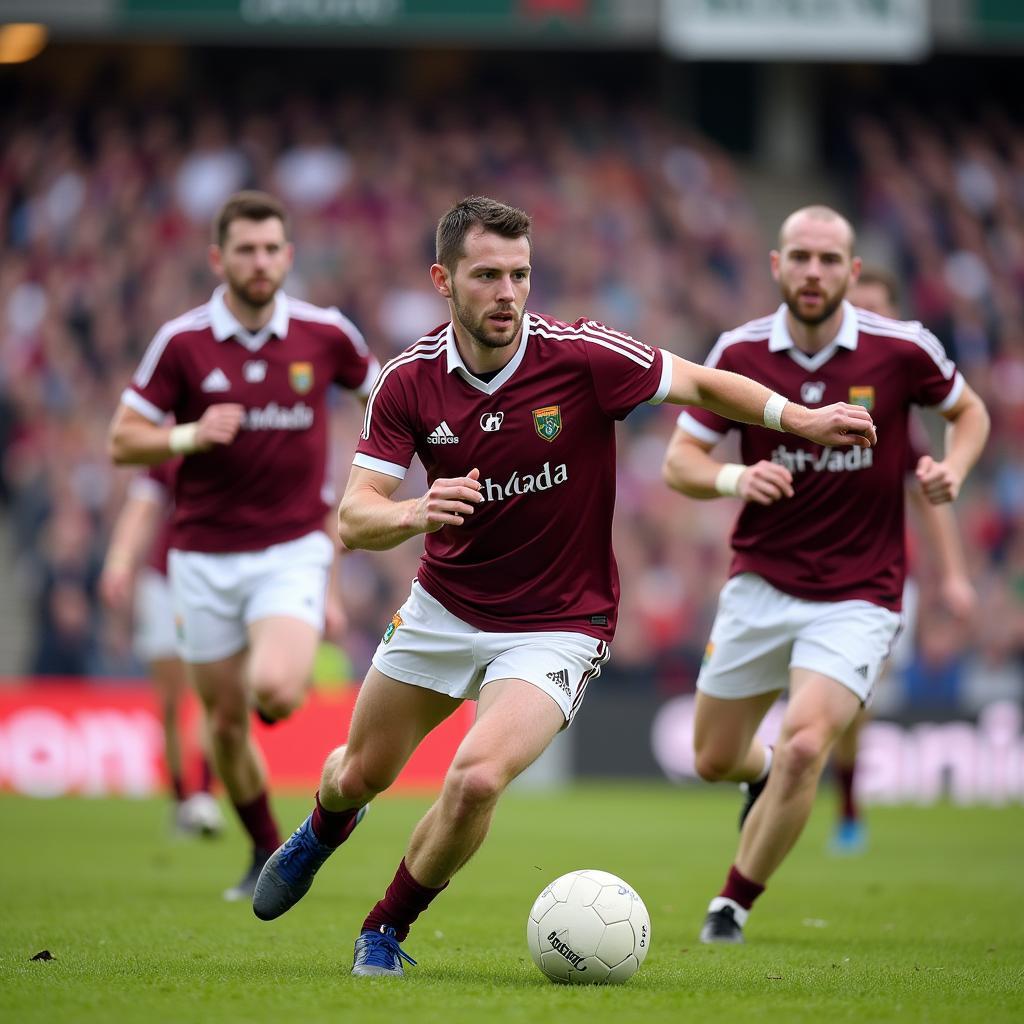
pixel 812 338
pixel 482 359
pixel 252 318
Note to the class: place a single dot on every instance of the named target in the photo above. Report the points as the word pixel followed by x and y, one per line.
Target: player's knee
pixel 276 694
pixel 713 765
pixel 803 752
pixel 228 729
pixel 475 787
pixel 356 779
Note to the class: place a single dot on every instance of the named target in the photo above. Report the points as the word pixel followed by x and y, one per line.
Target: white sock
pixel 767 764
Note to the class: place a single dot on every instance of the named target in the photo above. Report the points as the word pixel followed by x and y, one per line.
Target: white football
pixel 589 928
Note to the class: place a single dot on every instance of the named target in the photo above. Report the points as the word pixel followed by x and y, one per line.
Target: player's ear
pixel 216 260
pixel 855 265
pixel 774 257
pixel 439 275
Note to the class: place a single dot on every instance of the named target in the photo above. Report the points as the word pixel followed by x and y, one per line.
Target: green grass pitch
pixel 927 926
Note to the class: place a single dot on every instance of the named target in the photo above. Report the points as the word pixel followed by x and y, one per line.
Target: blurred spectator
pixel 105 215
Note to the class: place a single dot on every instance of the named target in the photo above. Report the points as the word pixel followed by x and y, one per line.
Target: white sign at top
pixel 879 30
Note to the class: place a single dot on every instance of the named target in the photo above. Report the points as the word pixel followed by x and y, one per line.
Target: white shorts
pixel 217 597
pixel 760 633
pixel 427 646
pixel 153 638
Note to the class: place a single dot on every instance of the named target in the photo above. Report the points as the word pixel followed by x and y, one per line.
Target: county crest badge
pixel 548 421
pixel 396 621
pixel 300 376
pixel 864 396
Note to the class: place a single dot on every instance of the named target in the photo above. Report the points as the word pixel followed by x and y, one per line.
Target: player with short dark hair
pixel 513 416
pixel 246 378
pixel 813 599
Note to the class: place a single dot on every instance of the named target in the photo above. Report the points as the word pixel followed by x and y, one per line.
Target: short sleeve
pixel 934 378
pixel 355 368
pixel 387 442
pixel 626 372
pixel 157 386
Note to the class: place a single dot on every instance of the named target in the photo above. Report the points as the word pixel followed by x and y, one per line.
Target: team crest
pixel 708 651
pixel 396 621
pixel 300 375
pixel 548 421
pixel 864 396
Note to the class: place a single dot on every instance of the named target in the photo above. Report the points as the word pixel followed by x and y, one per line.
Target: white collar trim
pixel 780 340
pixel 224 324
pixel 457 365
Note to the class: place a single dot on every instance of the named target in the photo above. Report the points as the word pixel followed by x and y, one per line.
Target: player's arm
pixel 690 469
pixel 942 537
pixel 966 435
pixel 130 541
pixel 368 518
pixel 135 440
pixel 740 398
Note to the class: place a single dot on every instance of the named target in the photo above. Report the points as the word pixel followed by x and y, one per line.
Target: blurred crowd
pixel 638 222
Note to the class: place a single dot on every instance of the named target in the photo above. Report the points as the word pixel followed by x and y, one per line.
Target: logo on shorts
pixel 561 680
pixel 548 421
pixel 863 396
pixel 300 376
pixel 862 671
pixel 396 621
pixel 708 651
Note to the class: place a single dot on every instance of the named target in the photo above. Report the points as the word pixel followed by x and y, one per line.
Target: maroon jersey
pixel 536 554
pixel 841 536
pixel 270 484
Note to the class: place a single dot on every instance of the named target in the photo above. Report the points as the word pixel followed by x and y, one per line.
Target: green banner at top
pixel 454 19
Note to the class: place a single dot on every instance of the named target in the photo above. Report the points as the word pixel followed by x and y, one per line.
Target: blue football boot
pixel 290 870
pixel 380 953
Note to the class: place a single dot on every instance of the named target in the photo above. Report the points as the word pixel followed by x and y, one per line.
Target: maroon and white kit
pixel 841 536
pixel 536 553
pixel 271 484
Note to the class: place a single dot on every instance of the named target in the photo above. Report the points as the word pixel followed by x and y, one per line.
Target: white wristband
pixel 727 483
pixel 183 439
pixel 773 411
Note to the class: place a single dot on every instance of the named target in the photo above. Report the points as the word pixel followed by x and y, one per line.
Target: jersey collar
pixel 224 324
pixel 780 339
pixel 456 365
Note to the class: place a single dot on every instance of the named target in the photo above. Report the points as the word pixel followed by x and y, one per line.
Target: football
pixel 589 928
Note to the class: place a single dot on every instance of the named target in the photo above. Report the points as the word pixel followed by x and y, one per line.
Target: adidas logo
pixel 442 434
pixel 862 671
pixel 561 680
pixel 216 380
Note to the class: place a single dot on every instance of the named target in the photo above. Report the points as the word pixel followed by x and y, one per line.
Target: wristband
pixel 183 439
pixel 727 483
pixel 773 411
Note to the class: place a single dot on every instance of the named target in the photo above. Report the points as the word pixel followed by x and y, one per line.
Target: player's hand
pixel 765 483
pixel 115 586
pixel 959 597
pixel 219 424
pixel 939 481
pixel 448 502
pixel 838 424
